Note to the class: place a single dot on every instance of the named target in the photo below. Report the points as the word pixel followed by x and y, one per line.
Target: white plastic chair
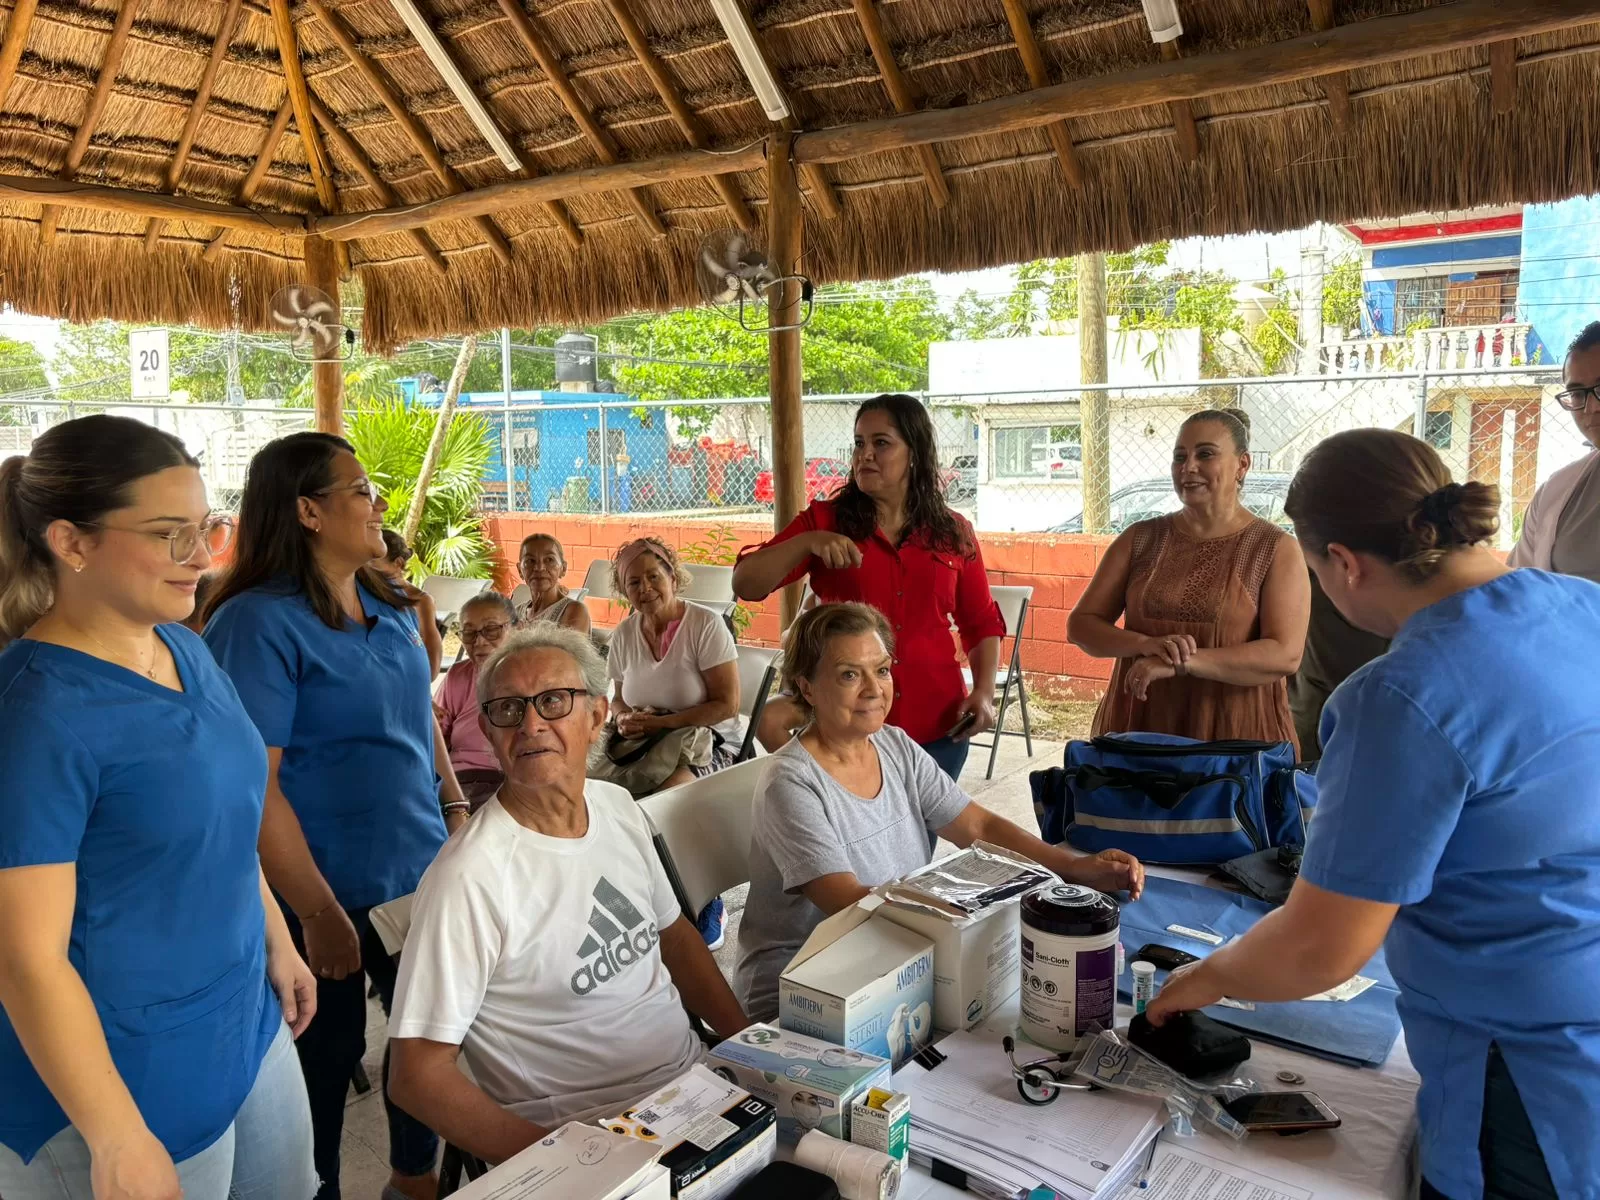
pixel 1013 602
pixel 758 670
pixel 597 579
pixel 711 586
pixel 450 593
pixel 702 832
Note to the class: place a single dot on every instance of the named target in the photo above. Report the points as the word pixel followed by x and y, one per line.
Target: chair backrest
pixel 597 579
pixel 392 921
pixel 702 831
pixel 450 593
pixel 756 673
pixel 709 584
pixel 1013 602
pixel 520 595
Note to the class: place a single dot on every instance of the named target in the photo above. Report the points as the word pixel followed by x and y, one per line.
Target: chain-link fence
pixel 1012 462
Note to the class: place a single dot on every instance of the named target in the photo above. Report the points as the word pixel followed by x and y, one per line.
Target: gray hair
pixel 495 599
pixel 545 636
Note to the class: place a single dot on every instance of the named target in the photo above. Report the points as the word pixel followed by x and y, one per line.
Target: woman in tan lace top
pixel 1216 603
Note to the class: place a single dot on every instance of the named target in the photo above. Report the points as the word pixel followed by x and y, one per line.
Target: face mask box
pixel 578 1162
pixel 809 1082
pixel 861 983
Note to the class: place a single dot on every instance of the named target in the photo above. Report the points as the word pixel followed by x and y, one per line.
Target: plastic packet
pixel 969 881
pixel 1108 1060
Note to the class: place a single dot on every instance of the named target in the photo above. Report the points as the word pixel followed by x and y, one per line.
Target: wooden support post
pixel 1094 410
pixel 785 220
pixel 327 378
pixel 1503 77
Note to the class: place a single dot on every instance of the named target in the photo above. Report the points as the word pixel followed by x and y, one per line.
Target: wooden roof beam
pixel 379 82
pixel 1335 87
pixel 197 109
pixel 901 93
pixel 387 197
pixel 605 146
pixel 258 172
pixel 1503 77
pixel 16 38
pixel 110 63
pixel 1438 30
pixel 67 193
pixel 1183 123
pixel 1039 75
pixel 300 98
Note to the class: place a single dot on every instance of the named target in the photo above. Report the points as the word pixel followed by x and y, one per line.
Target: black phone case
pixel 1190 1043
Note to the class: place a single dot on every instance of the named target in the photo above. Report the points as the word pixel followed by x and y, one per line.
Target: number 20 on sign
pixel 148 364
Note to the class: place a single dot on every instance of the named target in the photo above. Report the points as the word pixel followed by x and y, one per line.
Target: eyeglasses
pixel 509 711
pixel 361 487
pixel 486 633
pixel 184 542
pixel 1577 399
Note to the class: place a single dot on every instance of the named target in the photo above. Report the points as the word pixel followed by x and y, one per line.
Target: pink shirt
pixel 458 701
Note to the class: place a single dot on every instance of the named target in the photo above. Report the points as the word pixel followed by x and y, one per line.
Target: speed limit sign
pixel 147 363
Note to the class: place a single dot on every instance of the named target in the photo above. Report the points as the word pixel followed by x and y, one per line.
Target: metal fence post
pixel 506 450
pixel 1419 423
pixel 605 457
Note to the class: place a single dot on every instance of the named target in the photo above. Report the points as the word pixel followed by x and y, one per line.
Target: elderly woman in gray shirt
pixel 850 803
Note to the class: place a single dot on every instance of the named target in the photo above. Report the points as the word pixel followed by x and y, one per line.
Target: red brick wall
pixel 1057 567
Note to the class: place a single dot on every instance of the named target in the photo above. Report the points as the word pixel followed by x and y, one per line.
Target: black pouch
pixel 1190 1043
pixel 1267 874
pixel 786 1181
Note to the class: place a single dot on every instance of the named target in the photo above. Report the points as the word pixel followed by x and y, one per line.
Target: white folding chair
pixel 702 832
pixel 520 595
pixel 758 670
pixel 450 593
pixel 711 586
pixel 597 579
pixel 1013 602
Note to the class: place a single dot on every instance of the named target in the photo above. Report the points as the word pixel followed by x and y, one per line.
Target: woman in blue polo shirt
pixel 148 997
pixel 330 664
pixel 1459 823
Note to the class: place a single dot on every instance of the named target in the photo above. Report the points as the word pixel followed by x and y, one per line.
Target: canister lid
pixel 1070 910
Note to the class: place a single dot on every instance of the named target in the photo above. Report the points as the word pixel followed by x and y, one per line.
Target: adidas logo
pixel 620 936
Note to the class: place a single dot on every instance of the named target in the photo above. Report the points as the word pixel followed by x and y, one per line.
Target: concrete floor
pixel 364 1154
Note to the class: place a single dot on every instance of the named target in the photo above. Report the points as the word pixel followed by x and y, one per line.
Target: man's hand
pixel 1188 988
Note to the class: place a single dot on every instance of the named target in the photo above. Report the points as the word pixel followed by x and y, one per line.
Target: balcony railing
pixel 1456 348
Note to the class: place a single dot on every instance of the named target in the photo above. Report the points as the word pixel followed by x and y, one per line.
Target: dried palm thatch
pixel 174 96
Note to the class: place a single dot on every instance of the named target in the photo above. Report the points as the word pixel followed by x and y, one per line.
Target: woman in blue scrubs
pixel 1458 823
pixel 150 997
pixel 329 661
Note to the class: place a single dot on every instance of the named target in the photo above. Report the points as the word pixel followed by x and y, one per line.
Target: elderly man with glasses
pixel 1561 529
pixel 546 947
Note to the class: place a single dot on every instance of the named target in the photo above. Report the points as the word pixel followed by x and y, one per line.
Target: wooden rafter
pixel 110 62
pixel 378 80
pixel 1503 77
pixel 258 172
pixel 15 39
pixel 300 98
pixel 598 136
pixel 1335 87
pixel 1039 75
pixel 901 93
pixel 197 109
pixel 67 193
pixel 1183 123
pixel 688 121
pixel 351 149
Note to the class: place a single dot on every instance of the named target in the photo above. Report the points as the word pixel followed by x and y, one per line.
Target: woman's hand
pixel 135 1168
pixel 333 948
pixel 834 549
pixel 1109 871
pixel 981 706
pixel 637 723
pixel 1173 648
pixel 1144 672
pixel 295 986
pixel 1188 988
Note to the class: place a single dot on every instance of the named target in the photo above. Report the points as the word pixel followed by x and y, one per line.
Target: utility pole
pixel 1094 404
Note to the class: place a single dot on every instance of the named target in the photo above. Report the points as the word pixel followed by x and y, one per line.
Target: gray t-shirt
pixel 1576 550
pixel 808 826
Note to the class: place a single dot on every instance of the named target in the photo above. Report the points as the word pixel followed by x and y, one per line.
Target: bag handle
pixel 1165 789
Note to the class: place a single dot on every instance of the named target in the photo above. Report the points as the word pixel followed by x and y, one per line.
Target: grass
pixel 1056 720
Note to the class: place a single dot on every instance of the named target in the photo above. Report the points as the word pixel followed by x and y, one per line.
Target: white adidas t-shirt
pixel 540 958
pixel 673 683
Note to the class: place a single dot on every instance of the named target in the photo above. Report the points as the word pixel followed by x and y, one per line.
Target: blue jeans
pixel 950 754
pixel 264 1155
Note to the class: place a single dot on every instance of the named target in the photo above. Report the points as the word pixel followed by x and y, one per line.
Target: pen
pixel 1144 1175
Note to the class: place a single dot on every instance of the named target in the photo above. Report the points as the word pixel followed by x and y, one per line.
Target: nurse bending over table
pixel 329 661
pixel 1458 820
pixel 149 986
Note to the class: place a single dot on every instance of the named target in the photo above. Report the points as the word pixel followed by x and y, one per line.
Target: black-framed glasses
pixel 485 632
pixel 507 712
pixel 184 542
pixel 360 487
pixel 1576 399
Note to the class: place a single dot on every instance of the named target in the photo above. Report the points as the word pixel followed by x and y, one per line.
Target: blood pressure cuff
pixel 1190 1043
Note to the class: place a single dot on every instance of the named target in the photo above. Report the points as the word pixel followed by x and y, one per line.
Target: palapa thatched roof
pixel 1419 133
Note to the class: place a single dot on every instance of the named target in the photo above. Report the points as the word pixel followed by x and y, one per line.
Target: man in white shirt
pixel 546 947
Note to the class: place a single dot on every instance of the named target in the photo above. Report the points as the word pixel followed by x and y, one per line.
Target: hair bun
pixel 1438 507
pixel 1239 415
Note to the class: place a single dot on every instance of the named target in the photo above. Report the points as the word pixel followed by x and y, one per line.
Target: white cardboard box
pixel 576 1162
pixel 810 1082
pixel 862 983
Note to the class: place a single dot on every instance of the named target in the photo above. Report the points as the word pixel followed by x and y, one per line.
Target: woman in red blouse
pixel 888 539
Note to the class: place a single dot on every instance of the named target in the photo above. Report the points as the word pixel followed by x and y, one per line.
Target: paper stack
pixel 576 1162
pixel 966 1114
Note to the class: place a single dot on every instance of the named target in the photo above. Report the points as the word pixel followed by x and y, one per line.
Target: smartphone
pixel 967 721
pixel 1283 1112
pixel 1165 957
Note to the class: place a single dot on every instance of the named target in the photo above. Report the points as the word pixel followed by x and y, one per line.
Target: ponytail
pixel 27 585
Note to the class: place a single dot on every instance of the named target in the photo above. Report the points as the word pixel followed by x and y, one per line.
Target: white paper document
pixel 1185 1170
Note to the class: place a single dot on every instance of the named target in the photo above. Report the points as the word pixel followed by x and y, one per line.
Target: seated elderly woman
pixel 849 804
pixel 486 621
pixel 546 948
pixel 542 563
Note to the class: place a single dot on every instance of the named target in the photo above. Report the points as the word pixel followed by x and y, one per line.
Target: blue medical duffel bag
pixel 1174 800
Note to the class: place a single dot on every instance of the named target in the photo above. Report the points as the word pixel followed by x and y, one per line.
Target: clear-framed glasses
pixel 485 633
pixel 508 712
pixel 1576 399
pixel 364 488
pixel 184 542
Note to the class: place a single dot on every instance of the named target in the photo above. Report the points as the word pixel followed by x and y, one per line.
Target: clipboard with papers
pixel 969 1127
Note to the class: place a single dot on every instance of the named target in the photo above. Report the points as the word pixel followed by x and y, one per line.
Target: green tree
pixel 22 375
pixel 1342 295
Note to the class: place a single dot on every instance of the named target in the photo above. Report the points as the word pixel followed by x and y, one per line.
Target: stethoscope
pixel 1042 1080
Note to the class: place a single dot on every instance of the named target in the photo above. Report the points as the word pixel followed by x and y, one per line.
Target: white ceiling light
pixel 1165 24
pixel 457 82
pixel 743 40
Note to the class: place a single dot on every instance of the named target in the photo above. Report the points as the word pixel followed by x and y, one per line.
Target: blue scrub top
pixel 1460 779
pixel 352 711
pixel 156 796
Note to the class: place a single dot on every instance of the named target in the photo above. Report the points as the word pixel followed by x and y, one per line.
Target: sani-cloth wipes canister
pixel 1069 963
